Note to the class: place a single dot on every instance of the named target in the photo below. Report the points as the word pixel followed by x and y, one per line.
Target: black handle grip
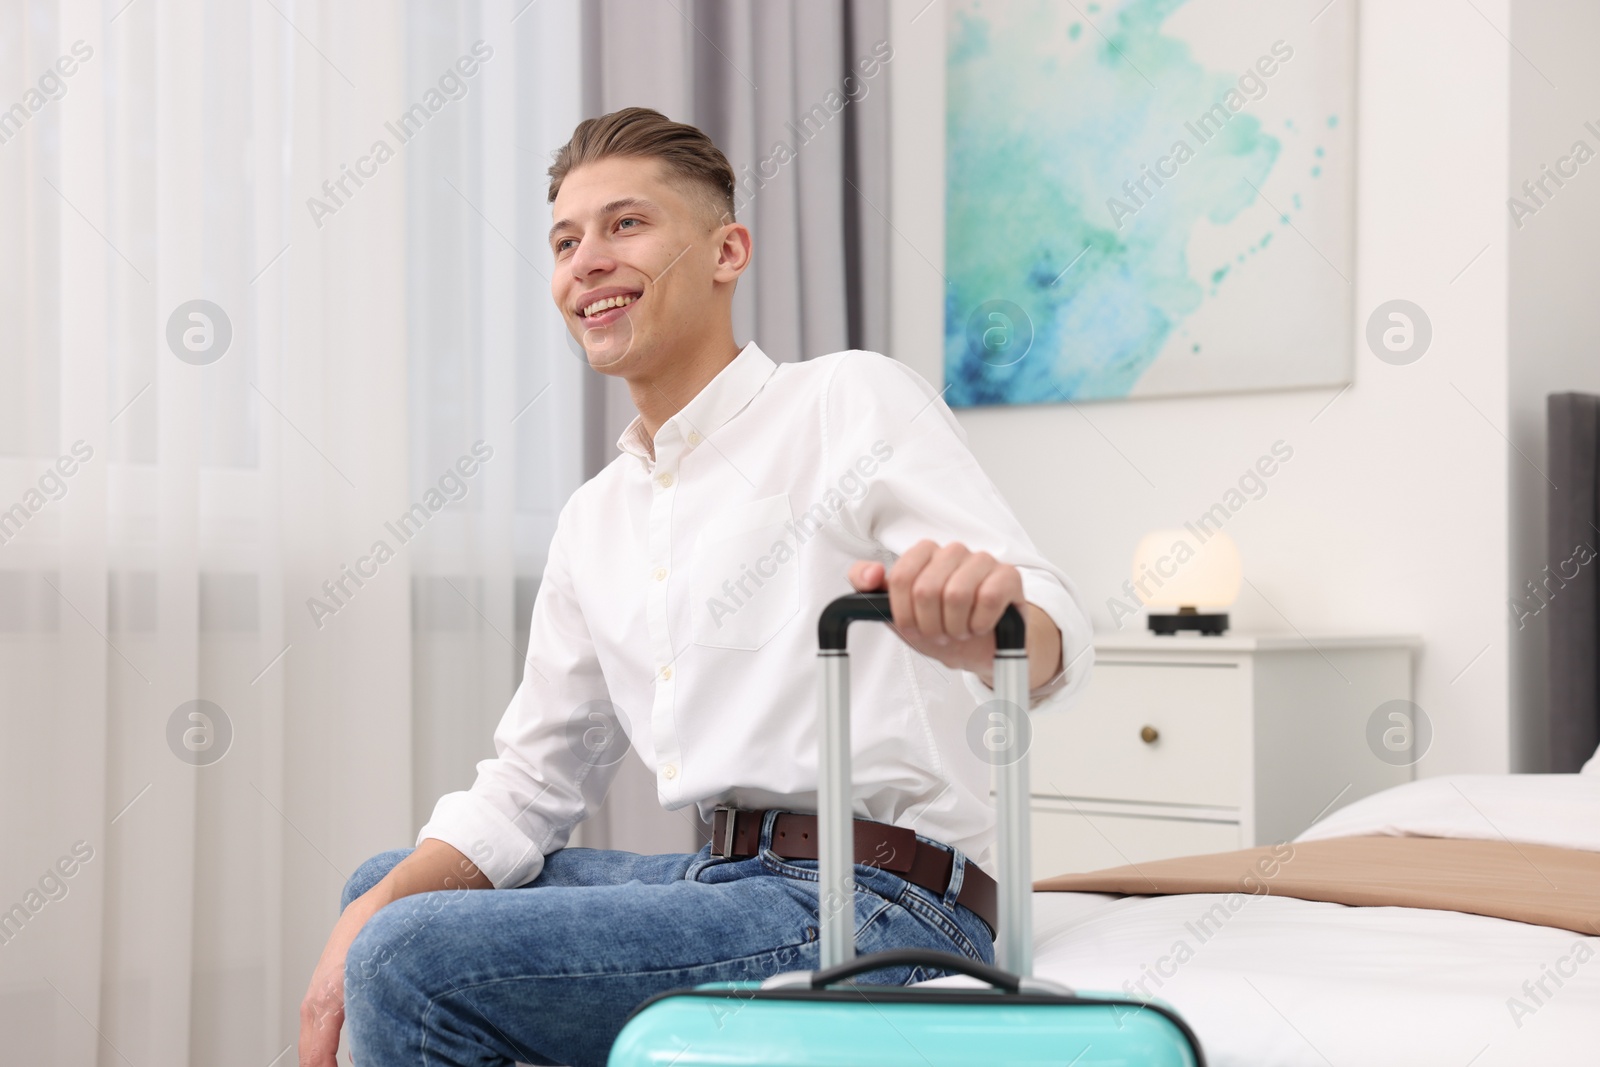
pixel 916 957
pixel 1010 633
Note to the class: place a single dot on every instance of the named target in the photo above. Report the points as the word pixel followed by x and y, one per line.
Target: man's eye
pixel 624 222
pixel 561 245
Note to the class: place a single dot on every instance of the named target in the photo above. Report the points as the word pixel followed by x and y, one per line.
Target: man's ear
pixel 733 251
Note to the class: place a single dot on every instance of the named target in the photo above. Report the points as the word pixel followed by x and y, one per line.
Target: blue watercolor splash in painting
pixel 1044 127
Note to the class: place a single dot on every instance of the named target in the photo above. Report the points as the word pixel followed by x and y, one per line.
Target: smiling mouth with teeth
pixel 607 304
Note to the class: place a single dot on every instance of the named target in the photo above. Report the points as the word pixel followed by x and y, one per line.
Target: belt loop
pixel 768 818
pixel 958 871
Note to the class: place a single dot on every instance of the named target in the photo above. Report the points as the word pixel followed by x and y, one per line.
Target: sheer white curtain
pixel 183 521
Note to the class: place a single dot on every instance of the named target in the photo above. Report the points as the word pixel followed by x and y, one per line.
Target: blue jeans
pixel 547 973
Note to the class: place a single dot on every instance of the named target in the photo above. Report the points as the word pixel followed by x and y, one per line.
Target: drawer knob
pixel 1149 735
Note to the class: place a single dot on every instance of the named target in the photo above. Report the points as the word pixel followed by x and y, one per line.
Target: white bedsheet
pixel 1285 982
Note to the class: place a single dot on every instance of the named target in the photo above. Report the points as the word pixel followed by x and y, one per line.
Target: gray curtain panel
pixel 1574 441
pixel 795 92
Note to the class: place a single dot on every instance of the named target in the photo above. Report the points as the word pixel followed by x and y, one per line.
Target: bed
pixel 1286 981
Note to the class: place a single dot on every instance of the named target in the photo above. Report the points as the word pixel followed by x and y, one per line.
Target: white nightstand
pixel 1185 745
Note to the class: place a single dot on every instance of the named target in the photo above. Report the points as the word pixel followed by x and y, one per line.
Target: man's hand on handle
pixel 946 601
pixel 433 866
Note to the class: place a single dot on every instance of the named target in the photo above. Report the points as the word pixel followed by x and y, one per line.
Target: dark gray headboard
pixel 1574 429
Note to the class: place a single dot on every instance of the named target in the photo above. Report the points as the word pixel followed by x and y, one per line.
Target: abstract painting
pixel 1147 198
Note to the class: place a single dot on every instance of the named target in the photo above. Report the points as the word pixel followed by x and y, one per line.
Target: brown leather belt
pixel 892 848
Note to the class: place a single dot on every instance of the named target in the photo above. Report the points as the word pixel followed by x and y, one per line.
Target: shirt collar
pixel 721 399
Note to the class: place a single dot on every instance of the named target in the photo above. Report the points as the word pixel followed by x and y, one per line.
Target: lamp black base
pixel 1214 625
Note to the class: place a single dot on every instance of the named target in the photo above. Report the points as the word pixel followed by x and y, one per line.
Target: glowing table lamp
pixel 1198 578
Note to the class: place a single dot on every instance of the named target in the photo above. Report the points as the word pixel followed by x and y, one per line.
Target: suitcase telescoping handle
pixel 836 849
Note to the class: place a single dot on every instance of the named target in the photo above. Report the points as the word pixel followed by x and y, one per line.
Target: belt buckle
pixel 722 844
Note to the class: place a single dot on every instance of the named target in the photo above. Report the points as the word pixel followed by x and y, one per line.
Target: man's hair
pixel 642 133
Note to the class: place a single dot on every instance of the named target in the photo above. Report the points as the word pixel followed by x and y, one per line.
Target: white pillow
pixel 1562 810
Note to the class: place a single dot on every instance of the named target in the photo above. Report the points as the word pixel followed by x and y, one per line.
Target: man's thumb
pixel 866 575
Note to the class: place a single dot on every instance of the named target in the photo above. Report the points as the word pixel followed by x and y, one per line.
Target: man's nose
pixel 591 257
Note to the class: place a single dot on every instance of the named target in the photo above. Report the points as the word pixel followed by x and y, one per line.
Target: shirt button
pixel 666 674
pixel 670 771
pixel 660 573
pixel 665 480
pixel 694 438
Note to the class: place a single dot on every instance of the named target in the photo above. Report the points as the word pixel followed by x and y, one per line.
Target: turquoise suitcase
pixel 822 1019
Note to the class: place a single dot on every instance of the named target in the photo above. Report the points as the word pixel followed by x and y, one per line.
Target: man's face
pixel 625 235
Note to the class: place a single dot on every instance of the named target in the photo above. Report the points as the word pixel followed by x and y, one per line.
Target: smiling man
pixel 676 618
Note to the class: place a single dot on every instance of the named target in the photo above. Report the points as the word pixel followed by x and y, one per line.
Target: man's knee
pixel 401 951
pixel 371 873
pixel 377 944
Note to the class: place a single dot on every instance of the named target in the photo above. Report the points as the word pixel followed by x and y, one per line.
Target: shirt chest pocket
pixel 745 579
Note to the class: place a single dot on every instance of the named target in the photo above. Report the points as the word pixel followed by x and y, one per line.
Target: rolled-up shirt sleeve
pixel 557 746
pixel 908 459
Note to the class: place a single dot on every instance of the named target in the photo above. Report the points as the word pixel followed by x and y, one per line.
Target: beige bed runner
pixel 1526 883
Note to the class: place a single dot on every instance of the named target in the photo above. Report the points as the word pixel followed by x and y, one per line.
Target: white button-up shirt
pixel 678 610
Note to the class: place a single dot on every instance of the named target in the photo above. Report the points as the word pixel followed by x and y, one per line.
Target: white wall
pixel 1555 319
pixel 1392 515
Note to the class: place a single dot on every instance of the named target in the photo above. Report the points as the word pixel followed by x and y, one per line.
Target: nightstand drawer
pixel 1068 842
pixel 1195 715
